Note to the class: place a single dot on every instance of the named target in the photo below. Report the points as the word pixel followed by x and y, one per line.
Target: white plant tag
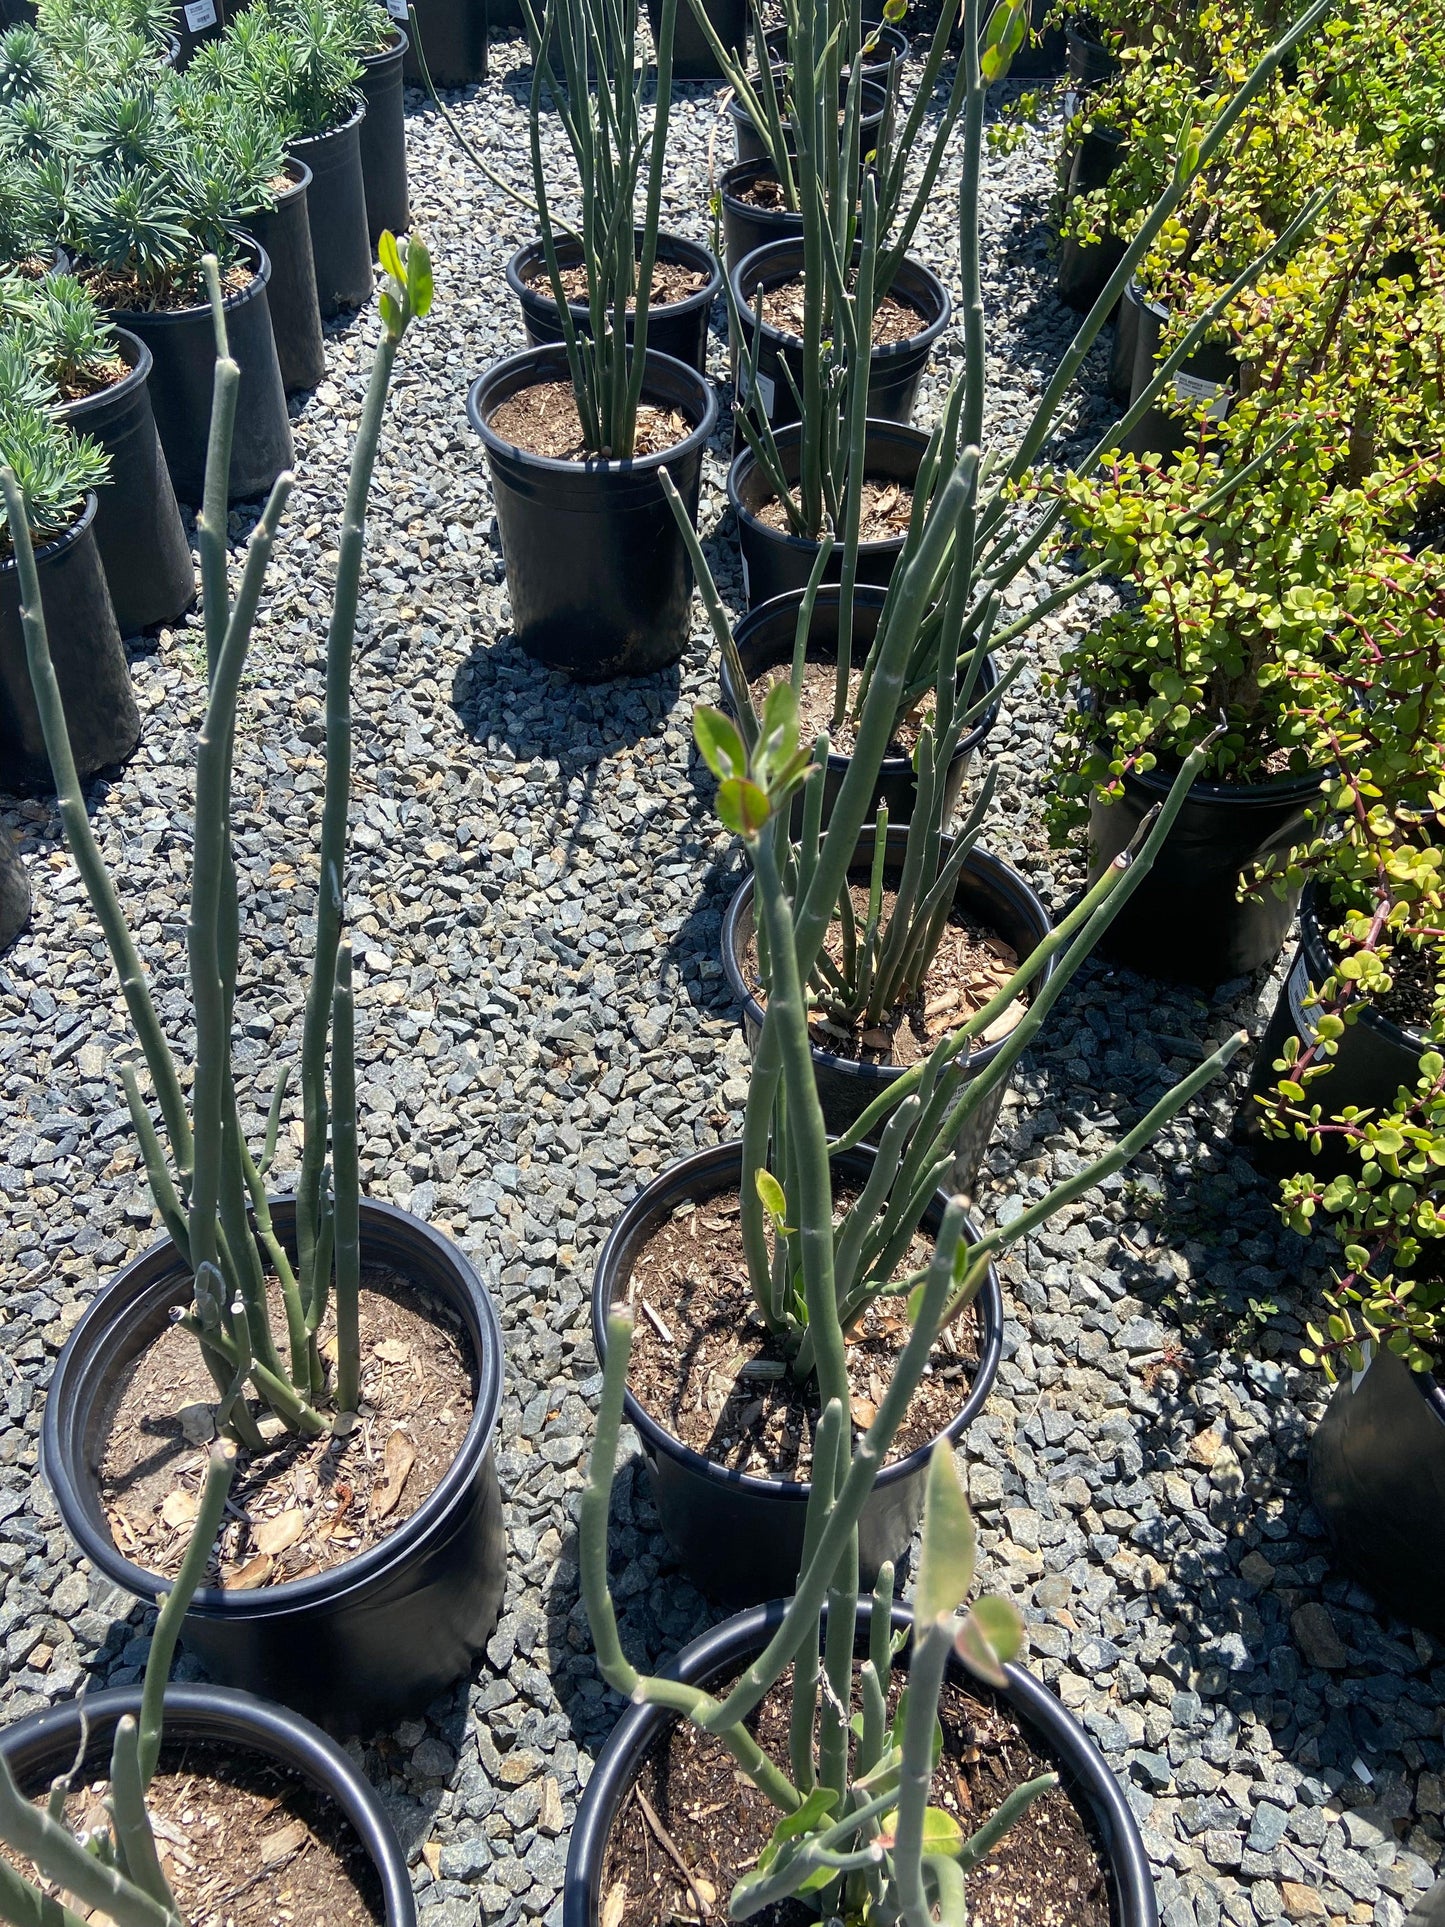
pixel 1298 988
pixel 397 10
pixel 1356 1377
pixel 200 14
pixel 1196 388
pixel 747 581
pixel 767 389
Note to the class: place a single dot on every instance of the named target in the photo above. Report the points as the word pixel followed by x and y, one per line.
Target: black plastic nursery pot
pixel 383 139
pixel 750 145
pixel 775 562
pixel 1045 52
pixel 138 527
pixel 1185 921
pixel 197 21
pixel 101 717
pixel 1085 266
pixel 597 571
pixel 1090 63
pixel 1377 1479
pixel 885 58
pixel 989 890
pixel 692 56
pixel 724 1651
pixel 370 1641
pixel 894 371
pixel 1209 375
pixel 1125 345
pixel 284 231
pixel 15 899
pixel 454 41
pixel 1373 1057
pixel 182 342
pixel 336 212
pixel 39 1749
pixel 765 638
pixel 746 226
pixel 675 328
pixel 740 1538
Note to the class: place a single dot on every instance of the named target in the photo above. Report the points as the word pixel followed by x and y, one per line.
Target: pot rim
pixel 744 462
pixel 734 1639
pixel 89 1338
pixel 1267 795
pixel 870 595
pixel 542 294
pixel 736 170
pixel 330 133
pixel 1319 964
pixel 867 116
pixel 881 1074
pixel 294 166
pixel 260 263
pixel 272 1731
pixel 721 1160
pixel 549 362
pixel 792 244
pixel 67 538
pixel 135 351
pixel 400 42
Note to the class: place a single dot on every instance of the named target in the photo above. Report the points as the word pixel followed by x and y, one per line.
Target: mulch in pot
pixel 672 281
pixel 307 1505
pixel 543 420
pixel 894 321
pixel 884 510
pixel 1046 1872
pixel 91 380
pixel 245 1842
pixel 123 293
pixel 972 964
pixel 706 1368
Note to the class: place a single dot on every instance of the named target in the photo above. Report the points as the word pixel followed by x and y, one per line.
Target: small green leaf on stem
pixel 945 1566
pixel 717 738
pixel 992 1634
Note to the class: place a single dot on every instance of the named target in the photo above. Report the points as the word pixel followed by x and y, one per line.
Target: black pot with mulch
pixel 1210 376
pixel 453 40
pixel 750 145
pixel 15 898
pixel 765 640
pixel 363 1643
pixel 1103 1830
pixel 1085 266
pixel 1185 922
pixel 336 212
pixel 676 327
pixel 692 54
pixel 138 529
pixel 882 60
pixel 739 1537
pixel 597 569
pixel 990 895
pixel 290 1759
pixel 383 139
pixel 182 342
pixel 1374 1055
pixel 1377 1479
pixel 895 369
pixel 284 231
pixel 776 562
pixel 753 212
pixel 101 717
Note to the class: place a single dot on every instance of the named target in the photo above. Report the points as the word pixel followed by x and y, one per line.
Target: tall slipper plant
pixel 207 1183
pixel 974 530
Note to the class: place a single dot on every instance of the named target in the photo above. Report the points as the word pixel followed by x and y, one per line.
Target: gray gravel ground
pixel 537 891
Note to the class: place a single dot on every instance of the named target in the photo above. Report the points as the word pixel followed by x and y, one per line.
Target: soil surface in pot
pixel 244 1842
pixel 884 511
pixel 1414 979
pixel 1046 1872
pixel 672 281
pixel 104 372
pixel 894 321
pixel 815 705
pixel 307 1505
pixel 706 1367
pixel 123 292
pixel 543 420
pixel 972 965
